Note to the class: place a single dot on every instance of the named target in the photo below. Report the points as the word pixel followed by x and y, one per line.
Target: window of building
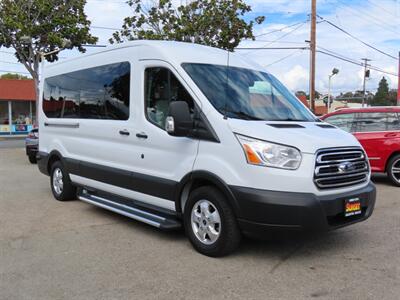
pixel 4 122
pixel 21 115
pixel 162 87
pixel 4 113
pixel 377 121
pixel 95 93
pixel 343 121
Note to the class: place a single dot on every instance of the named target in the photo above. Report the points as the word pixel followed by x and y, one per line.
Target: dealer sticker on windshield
pixel 352 207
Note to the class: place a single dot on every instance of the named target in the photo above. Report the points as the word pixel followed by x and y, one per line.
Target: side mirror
pixel 179 122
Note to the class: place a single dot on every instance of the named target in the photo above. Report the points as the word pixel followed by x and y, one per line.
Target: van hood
pixel 308 137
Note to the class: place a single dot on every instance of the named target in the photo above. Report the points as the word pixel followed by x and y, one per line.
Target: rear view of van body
pixel 166 133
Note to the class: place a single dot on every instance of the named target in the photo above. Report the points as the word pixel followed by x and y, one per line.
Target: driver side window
pixel 162 87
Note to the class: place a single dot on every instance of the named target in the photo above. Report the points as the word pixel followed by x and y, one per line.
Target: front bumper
pixel 260 211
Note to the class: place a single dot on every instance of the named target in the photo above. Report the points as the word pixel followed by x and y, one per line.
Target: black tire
pixel 32 158
pixel 68 191
pixel 394 162
pixel 229 233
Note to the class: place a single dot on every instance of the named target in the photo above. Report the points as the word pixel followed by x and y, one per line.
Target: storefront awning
pixel 17 90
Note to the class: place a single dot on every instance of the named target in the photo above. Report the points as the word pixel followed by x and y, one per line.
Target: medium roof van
pixel 176 134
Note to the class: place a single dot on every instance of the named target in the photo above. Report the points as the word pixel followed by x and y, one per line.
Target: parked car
pixel 32 144
pixel 168 134
pixel 378 131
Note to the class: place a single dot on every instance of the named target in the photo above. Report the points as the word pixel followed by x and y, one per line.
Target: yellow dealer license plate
pixel 352 207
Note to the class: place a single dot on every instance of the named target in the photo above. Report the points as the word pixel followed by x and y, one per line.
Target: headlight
pixel 268 154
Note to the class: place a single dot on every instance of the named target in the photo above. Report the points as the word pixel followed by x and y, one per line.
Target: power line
pixel 280 42
pixel 338 54
pixel 5 52
pixel 106 28
pixel 356 38
pixel 11 63
pixel 283 58
pixel 271 48
pixel 371 18
pixel 352 61
pixel 382 8
pixel 94 46
pixel 280 29
pixel 285 35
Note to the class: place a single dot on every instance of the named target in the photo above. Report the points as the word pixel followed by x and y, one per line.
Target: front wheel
pixel 210 222
pixel 393 169
pixel 60 183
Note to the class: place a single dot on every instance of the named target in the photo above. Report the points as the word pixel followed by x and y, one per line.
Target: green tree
pixel 36 27
pixel 216 23
pixel 13 76
pixel 393 97
pixel 381 97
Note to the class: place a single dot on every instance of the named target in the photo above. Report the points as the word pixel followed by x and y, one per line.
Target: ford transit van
pixel 176 134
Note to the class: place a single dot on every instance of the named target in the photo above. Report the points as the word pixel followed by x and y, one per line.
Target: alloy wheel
pixel 206 222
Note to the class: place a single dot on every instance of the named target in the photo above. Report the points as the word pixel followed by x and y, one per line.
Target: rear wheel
pixel 210 222
pixel 393 169
pixel 32 158
pixel 60 183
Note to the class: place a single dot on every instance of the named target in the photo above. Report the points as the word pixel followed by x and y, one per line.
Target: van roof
pixel 172 51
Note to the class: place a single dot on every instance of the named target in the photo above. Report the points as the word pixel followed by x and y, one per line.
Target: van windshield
pixel 247 94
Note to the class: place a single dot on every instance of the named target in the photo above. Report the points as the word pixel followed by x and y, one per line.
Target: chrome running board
pixel 136 213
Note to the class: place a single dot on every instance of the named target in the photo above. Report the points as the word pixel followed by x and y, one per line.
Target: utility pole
pixel 312 52
pixel 398 84
pixel 366 60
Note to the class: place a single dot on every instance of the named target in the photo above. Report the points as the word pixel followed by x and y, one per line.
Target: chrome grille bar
pixel 340 167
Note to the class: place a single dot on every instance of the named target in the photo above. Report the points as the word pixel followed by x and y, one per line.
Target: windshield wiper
pixel 244 115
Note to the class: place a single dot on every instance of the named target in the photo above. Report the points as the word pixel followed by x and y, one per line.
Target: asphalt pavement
pixel 72 250
pixel 7 142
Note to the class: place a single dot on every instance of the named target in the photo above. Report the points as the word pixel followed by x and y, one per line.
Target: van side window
pixel 343 121
pixel 96 93
pixel 162 87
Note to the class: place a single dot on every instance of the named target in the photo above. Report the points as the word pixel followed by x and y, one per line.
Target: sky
pixel 375 22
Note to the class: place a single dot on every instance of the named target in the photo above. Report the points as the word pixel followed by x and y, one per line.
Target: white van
pixel 175 134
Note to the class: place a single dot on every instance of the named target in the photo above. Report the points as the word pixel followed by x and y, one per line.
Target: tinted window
pixel 343 121
pixel 95 93
pixel 247 94
pixel 162 87
pixel 367 122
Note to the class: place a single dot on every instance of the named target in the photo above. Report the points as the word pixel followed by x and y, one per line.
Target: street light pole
pixel 329 93
pixel 334 72
pixel 366 60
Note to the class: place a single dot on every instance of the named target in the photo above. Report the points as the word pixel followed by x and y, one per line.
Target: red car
pixel 378 131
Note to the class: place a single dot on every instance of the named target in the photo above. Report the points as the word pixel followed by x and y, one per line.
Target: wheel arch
pixel 197 179
pixel 54 156
pixel 393 154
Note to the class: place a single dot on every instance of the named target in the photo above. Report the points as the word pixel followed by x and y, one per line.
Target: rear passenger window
pixel 96 93
pixel 343 121
pixel 162 87
pixel 370 122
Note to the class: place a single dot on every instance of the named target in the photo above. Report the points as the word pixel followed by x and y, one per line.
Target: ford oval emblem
pixel 346 167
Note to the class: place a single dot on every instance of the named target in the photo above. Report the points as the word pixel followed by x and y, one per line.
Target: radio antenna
pixel 227 86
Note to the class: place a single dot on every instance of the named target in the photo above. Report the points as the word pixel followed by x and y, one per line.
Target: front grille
pixel 340 167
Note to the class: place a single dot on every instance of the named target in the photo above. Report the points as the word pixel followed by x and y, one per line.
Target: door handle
pixel 141 135
pixel 124 132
